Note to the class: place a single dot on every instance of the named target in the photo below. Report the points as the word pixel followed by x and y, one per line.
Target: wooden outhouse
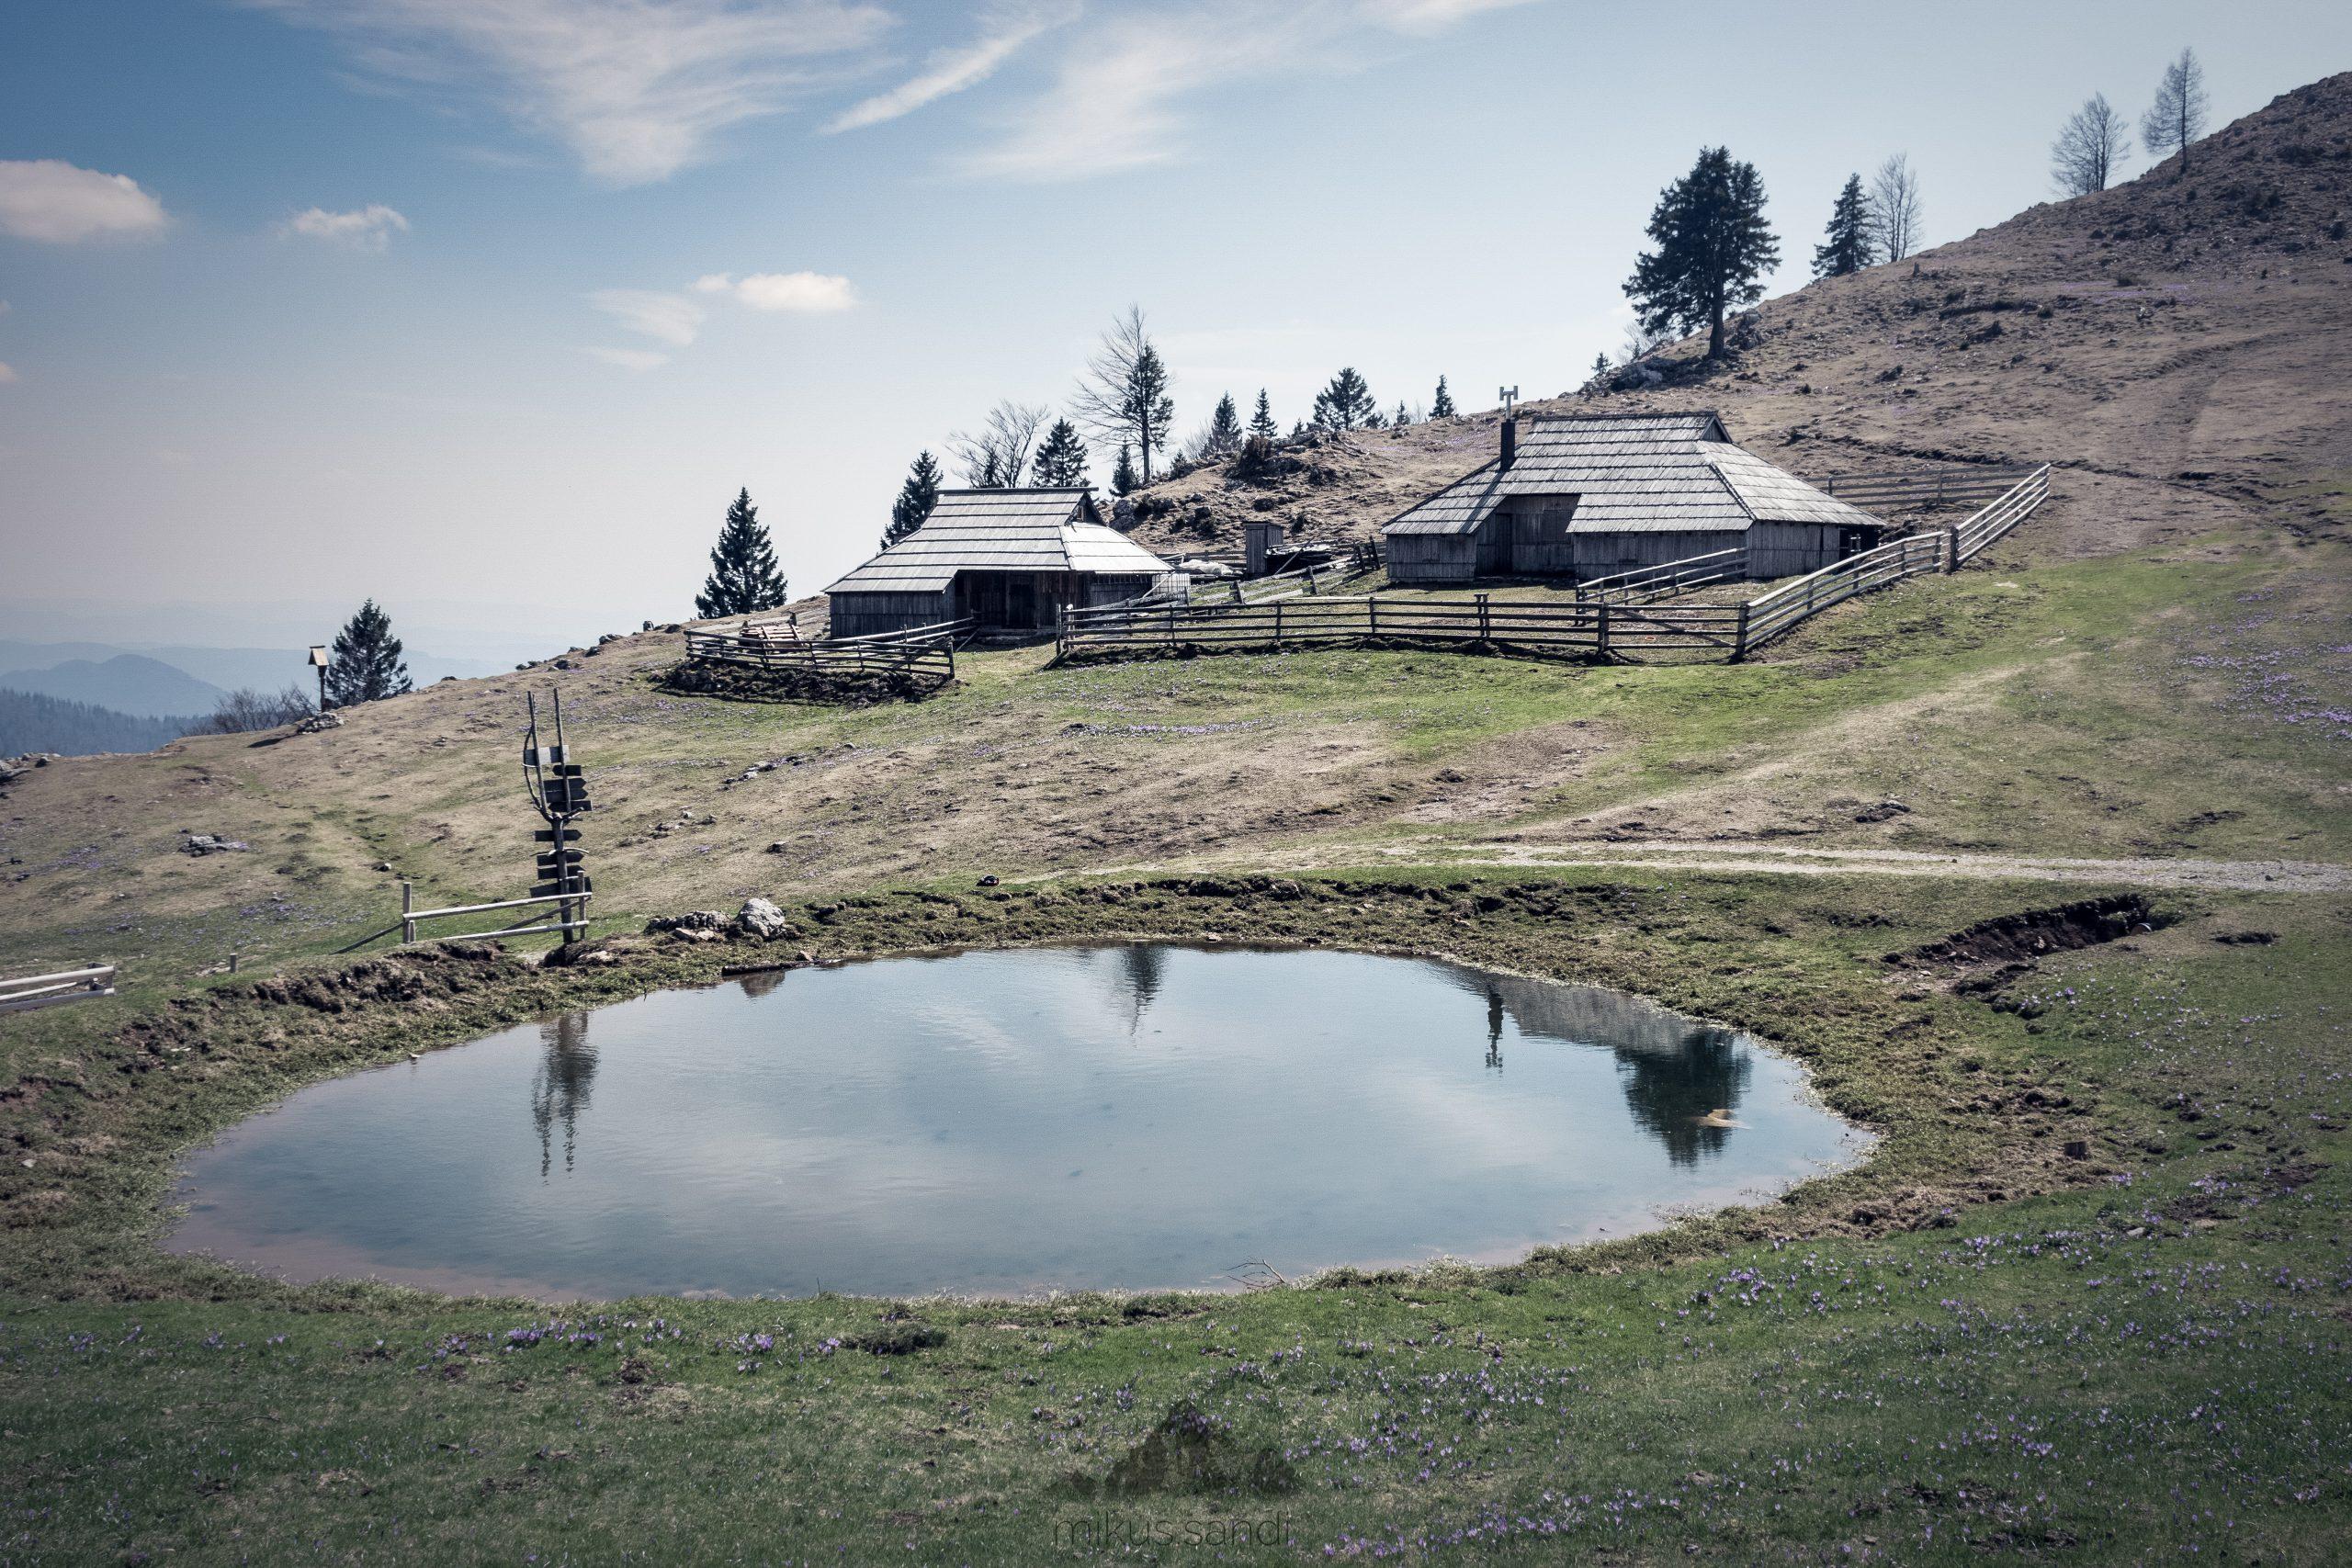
pixel 1591 495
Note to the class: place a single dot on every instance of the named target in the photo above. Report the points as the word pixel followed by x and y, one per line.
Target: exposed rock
pixel 208 844
pixel 762 919
pixel 318 722
pixel 692 921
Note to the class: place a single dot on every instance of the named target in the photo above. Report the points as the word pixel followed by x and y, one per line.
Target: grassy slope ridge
pixel 1978 1341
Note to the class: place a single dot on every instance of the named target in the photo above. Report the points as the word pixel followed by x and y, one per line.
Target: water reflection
pixel 1142 968
pixel 1676 1072
pixel 560 1088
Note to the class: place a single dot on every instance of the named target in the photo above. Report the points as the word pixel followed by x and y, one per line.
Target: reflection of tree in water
pixel 560 1089
pixel 760 982
pixel 1668 1092
pixel 1675 1070
pixel 1142 968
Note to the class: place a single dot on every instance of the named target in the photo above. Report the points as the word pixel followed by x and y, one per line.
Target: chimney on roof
pixel 1511 442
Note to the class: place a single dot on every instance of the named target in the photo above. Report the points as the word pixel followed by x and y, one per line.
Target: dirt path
pixel 2265 876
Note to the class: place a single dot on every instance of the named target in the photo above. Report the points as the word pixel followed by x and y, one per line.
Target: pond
pixel 1139 1116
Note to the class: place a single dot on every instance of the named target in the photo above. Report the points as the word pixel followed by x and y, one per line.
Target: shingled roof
pixel 1002 530
pixel 1663 473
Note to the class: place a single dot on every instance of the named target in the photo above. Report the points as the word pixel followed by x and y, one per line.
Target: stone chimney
pixel 1511 442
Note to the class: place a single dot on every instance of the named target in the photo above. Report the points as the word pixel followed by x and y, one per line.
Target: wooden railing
pixel 65 985
pixel 1670 580
pixel 918 652
pixel 1600 627
pixel 1944 487
pixel 571 916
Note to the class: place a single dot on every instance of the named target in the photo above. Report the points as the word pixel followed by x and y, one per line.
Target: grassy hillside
pixel 2085 1296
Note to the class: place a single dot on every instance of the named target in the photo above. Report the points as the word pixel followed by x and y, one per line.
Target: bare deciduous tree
pixel 1641 342
pixel 2178 116
pixel 1122 396
pixel 998 456
pixel 2089 145
pixel 244 710
pixel 1894 208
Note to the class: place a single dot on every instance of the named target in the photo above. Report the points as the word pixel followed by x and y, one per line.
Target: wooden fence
pixel 1604 627
pixel 1670 580
pixel 1944 487
pixel 571 915
pixel 918 652
pixel 48 991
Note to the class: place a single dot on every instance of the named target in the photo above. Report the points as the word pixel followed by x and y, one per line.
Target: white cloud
pixel 48 198
pixel 371 228
pixel 636 90
pixel 813 293
pixel 1002 33
pixel 628 358
pixel 1114 103
pixel 669 318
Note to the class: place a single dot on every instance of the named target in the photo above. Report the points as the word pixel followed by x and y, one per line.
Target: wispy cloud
pixel 628 358
pixel 8 373
pixel 669 318
pixel 811 293
pixel 1004 31
pixel 369 228
pixel 636 90
pixel 49 199
pixel 1116 100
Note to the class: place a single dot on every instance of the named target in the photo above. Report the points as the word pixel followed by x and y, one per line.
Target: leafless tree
pixel 998 456
pixel 1640 342
pixel 245 709
pixel 2178 116
pixel 1122 396
pixel 2089 145
pixel 1894 208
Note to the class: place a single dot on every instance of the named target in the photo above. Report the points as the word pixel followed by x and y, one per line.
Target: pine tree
pixel 1441 406
pixel 1224 428
pixel 743 576
pixel 1600 365
pixel 1061 460
pixel 1713 249
pixel 1401 419
pixel 365 664
pixel 1346 402
pixel 1848 247
pixel 917 496
pixel 1263 422
pixel 1124 479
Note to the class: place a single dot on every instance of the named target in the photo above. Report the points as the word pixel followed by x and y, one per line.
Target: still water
pixel 1139 1116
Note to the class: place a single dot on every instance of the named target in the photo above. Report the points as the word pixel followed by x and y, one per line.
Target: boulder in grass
pixel 760 920
pixel 689 924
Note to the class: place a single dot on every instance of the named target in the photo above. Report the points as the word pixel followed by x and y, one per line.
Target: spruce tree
pixel 1225 428
pixel 1263 422
pixel 1712 250
pixel 743 576
pixel 365 664
pixel 1600 365
pixel 1123 477
pixel 1346 402
pixel 1401 419
pixel 1441 406
pixel 1848 247
pixel 917 496
pixel 1061 460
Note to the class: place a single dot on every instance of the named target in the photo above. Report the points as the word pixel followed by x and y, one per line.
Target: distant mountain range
pixel 31 723
pixel 159 680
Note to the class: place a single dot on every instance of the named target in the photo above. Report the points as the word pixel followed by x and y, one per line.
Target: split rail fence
pixel 1620 621
pixel 567 920
pixel 48 991
pixel 918 652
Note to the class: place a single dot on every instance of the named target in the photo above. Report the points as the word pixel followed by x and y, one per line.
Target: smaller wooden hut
pixel 1592 495
pixel 1011 559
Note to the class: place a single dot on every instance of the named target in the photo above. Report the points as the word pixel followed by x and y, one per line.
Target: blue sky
pixel 308 299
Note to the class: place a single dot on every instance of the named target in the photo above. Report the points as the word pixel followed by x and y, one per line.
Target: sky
pixel 487 308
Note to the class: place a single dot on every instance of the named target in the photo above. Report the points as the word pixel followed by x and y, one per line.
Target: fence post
pixel 1372 614
pixel 1951 549
pixel 1601 631
pixel 1278 623
pixel 1310 579
pixel 1485 622
pixel 408 902
pixel 1739 648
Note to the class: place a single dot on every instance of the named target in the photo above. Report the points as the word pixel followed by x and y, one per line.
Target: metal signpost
pixel 561 792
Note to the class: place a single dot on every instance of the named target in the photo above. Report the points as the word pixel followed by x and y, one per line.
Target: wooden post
pixel 1951 549
pixel 1278 623
pixel 408 902
pixel 1739 648
pixel 1485 621
pixel 1601 629
pixel 1372 614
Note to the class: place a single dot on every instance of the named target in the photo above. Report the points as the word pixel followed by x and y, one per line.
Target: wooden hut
pixel 1011 559
pixel 1592 495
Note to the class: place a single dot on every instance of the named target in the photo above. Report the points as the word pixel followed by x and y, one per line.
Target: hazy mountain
pixel 128 682
pixel 263 669
pixel 31 723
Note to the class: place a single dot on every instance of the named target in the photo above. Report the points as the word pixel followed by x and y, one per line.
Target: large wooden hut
pixel 1011 559
pixel 1591 495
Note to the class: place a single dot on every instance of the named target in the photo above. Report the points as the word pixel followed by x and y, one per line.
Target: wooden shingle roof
pixel 1634 473
pixel 1002 530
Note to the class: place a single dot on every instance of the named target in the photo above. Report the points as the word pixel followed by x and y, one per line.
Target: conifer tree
pixel 1441 406
pixel 1224 428
pixel 1061 459
pixel 743 576
pixel 1263 422
pixel 365 664
pixel 1850 247
pixel 1124 479
pixel 1346 402
pixel 1401 419
pixel 1600 365
pixel 1713 249
pixel 917 496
